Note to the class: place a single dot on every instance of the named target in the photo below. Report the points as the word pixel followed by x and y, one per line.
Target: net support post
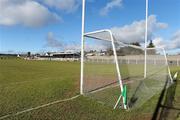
pixel 169 71
pixel 118 101
pixel 123 96
pixel 117 67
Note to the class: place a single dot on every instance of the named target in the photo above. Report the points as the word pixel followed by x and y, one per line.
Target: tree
pixel 29 54
pixel 109 52
pixel 136 44
pixel 151 51
pixel 151 44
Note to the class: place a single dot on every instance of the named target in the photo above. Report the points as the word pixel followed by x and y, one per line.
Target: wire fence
pixel 174 62
pixel 135 60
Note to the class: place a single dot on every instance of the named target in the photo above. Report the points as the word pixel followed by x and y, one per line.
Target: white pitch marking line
pixel 38 107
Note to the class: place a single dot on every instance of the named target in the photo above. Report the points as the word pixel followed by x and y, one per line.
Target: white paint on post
pixel 82 46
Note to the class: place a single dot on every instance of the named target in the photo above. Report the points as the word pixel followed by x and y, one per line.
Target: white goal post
pixel 107 35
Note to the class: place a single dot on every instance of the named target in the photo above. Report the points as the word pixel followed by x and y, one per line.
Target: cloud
pixel 95 45
pixel 160 42
pixel 173 43
pixel 25 12
pixel 176 40
pixel 110 5
pixel 52 42
pixel 65 5
pixel 135 31
pixel 72 47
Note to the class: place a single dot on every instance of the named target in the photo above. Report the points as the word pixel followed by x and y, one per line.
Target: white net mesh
pixel 140 89
pixel 100 74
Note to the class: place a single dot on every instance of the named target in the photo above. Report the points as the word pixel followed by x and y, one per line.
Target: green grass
pixel 27 84
pixel 172 99
pixel 110 69
pixel 106 73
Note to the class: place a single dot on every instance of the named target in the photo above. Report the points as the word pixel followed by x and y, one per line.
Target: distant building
pixel 95 53
pixel 6 56
pixel 59 56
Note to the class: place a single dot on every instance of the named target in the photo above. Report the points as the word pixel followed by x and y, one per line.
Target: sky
pixel 55 25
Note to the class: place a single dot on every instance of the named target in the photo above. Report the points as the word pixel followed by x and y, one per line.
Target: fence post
pixel 177 62
pixel 128 60
pixel 154 61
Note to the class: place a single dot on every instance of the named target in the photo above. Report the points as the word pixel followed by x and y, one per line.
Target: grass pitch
pixel 27 84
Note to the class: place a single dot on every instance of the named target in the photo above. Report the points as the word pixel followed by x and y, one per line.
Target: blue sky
pixel 55 25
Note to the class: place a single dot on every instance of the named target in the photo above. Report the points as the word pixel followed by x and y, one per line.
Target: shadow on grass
pixel 165 102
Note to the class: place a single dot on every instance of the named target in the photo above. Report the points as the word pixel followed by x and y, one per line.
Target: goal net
pixel 100 73
pixel 107 73
pixel 142 87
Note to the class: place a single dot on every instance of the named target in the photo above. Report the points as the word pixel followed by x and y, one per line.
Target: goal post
pixel 82 46
pixel 114 75
pixel 146 39
pixel 113 72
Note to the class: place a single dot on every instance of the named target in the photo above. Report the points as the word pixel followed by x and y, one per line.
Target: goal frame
pixel 112 40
